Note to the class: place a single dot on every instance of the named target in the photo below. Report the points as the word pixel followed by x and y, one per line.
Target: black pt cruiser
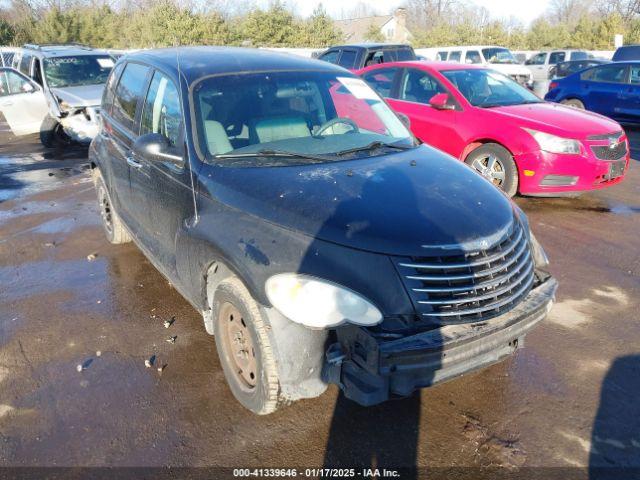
pixel 321 243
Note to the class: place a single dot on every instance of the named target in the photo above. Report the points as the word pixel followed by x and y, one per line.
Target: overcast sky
pixel 524 11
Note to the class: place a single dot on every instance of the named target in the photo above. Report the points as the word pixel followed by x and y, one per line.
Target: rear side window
pixel 634 74
pixel 455 56
pixel 25 62
pixel 579 56
pixel 405 54
pixel 556 57
pixel 331 57
pixel 162 113
pixel 128 93
pixel 606 73
pixel 442 56
pixel 347 59
pixel 110 89
pixel 381 80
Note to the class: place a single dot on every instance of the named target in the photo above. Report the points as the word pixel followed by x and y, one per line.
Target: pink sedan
pixel 509 135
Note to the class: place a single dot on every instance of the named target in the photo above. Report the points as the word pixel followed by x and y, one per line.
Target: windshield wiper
pixel 273 153
pixel 372 146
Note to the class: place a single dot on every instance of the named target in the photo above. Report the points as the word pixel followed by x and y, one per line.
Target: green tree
pixel 319 30
pixel 7 33
pixel 373 34
pixel 274 27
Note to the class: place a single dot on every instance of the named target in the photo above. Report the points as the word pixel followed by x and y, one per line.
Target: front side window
pixel 110 88
pixel 331 57
pixel 381 80
pixel 128 93
pixel 472 56
pixel 12 83
pixel 283 118
pixel 634 74
pixel 374 58
pixel 498 55
pixel 487 88
pixel 419 87
pixel 579 56
pixel 538 59
pixel 161 113
pixel 75 71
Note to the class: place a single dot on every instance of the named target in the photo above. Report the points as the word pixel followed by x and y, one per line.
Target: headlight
pixel 317 303
pixel 554 144
pixel 539 255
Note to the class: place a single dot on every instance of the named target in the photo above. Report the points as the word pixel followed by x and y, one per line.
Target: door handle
pixel 133 162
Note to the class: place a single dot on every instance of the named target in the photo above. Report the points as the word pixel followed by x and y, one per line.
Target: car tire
pixel 113 227
pixel 573 102
pixel 496 164
pixel 51 133
pixel 244 347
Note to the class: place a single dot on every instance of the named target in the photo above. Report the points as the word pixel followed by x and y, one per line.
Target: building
pixel 391 28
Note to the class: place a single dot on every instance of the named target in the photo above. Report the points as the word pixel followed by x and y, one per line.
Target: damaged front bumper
pixel 82 125
pixel 371 370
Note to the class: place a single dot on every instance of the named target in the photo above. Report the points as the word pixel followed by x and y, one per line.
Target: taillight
pixel 553 85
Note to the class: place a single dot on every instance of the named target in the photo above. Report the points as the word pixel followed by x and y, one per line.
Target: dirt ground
pixel 562 407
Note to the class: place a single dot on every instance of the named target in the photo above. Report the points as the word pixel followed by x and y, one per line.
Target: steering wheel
pixel 336 121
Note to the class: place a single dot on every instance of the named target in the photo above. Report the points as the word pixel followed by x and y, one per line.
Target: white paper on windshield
pixel 105 62
pixel 358 88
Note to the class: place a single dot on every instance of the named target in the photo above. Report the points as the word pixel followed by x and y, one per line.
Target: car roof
pixel 460 47
pixel 61 50
pixel 197 62
pixel 438 66
pixel 371 45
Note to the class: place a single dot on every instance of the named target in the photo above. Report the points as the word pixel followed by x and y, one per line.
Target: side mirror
pixel 156 147
pixel 406 121
pixel 442 101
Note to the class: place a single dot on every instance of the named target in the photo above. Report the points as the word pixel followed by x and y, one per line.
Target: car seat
pixel 217 139
pixel 263 130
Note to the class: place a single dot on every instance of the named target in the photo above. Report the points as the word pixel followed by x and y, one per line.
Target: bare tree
pixel 568 11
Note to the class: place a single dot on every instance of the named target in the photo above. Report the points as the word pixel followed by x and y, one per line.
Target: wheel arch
pixel 475 144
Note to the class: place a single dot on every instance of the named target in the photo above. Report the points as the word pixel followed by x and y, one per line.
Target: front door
pixel 22 102
pixel 603 89
pixel 538 66
pixel 164 188
pixel 434 127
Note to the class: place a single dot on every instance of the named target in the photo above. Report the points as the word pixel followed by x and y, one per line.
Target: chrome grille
pixel 474 286
pixel 606 152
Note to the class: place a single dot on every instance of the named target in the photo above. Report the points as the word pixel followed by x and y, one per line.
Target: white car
pixel 541 63
pixel 498 58
pixel 54 90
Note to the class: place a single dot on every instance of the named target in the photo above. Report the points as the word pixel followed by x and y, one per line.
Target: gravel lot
pixel 568 400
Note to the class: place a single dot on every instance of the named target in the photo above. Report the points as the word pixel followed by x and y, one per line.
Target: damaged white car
pixel 55 90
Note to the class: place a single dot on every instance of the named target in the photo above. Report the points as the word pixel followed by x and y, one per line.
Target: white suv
pixel 541 63
pixel 498 58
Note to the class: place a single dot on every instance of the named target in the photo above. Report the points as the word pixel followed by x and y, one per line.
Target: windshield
pixel 77 70
pixel 487 88
pixel 297 117
pixel 498 55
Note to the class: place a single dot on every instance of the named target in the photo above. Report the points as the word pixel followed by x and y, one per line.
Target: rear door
pixel 603 89
pixel 22 102
pixel 435 127
pixel 348 59
pixel 164 188
pixel 120 131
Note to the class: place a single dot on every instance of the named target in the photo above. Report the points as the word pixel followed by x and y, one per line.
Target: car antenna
pixel 193 222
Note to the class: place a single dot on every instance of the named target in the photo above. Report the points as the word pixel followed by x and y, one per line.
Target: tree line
pixel 156 23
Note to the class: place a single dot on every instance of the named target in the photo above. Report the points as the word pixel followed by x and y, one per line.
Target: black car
pixel 321 243
pixel 626 53
pixel 357 56
pixel 564 69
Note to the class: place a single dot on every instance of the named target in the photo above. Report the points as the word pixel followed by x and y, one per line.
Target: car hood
pixel 408 203
pixel 558 119
pixel 81 96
